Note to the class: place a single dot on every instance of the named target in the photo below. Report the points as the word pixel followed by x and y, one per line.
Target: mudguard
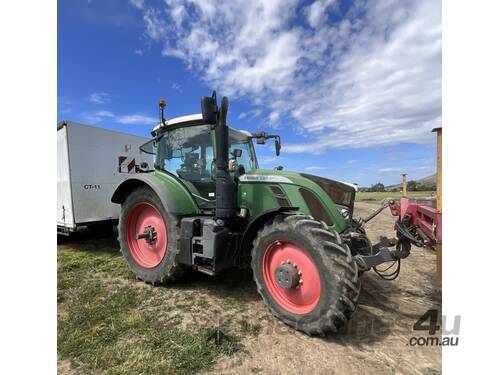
pixel 174 196
pixel 257 223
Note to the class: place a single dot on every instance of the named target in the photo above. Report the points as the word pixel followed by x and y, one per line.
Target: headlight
pixel 344 212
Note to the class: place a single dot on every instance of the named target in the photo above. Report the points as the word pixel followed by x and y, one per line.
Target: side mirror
pixel 277 145
pixel 209 109
pixel 237 152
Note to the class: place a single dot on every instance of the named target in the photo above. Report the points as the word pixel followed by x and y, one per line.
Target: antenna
pixel 162 104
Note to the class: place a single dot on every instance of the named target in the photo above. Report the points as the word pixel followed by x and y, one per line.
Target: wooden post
pixel 404 185
pixel 439 192
pixel 439 175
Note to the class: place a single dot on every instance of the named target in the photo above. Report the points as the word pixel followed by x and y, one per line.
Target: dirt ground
pixel 375 341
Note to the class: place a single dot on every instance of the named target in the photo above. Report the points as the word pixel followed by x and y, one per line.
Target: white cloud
pixel 155 27
pixel 270 161
pixel 95 117
pixel 390 170
pixel 369 76
pixel 137 3
pixel 99 97
pixel 176 86
pixel 316 12
pixel 316 168
pixel 250 114
pixel 137 120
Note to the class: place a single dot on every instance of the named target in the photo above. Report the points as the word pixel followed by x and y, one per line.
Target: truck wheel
pixel 148 236
pixel 305 275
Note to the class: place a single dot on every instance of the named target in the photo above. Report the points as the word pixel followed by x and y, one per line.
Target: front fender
pixel 174 196
pixel 257 223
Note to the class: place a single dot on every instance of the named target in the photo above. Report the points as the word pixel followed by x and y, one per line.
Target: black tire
pixel 340 285
pixel 168 269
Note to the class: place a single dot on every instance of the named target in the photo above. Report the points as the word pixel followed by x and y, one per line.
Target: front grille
pixel 315 207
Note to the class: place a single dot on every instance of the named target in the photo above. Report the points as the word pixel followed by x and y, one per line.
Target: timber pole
pixel 439 192
pixel 404 185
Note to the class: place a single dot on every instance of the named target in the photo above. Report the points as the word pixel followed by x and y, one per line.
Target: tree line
pixel 411 185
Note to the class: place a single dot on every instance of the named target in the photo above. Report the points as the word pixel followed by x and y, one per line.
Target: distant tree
pixel 426 187
pixel 378 187
pixel 411 185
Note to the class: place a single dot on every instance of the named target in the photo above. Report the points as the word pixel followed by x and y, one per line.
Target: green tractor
pixel 208 206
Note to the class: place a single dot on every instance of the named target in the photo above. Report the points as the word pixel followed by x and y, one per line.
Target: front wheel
pixel 148 236
pixel 305 275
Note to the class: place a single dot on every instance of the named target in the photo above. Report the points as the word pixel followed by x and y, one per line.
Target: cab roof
pixel 195 119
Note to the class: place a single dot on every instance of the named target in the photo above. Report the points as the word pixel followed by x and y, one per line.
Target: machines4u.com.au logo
pixel 438 334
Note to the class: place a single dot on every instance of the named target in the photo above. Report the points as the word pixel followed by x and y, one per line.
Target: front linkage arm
pixel 380 253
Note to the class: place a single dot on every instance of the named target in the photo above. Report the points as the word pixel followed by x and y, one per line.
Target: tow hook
pixel 149 234
pixel 365 262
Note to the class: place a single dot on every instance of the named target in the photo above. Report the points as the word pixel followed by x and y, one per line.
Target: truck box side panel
pixel 94 160
pixel 64 200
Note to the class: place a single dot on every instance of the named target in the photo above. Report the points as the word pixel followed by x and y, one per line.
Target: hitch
pixel 365 262
pixel 380 253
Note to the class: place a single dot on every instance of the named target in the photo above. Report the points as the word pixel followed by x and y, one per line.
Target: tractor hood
pixel 310 193
pixel 340 193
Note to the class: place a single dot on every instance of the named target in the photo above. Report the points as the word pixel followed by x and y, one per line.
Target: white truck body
pixel 91 163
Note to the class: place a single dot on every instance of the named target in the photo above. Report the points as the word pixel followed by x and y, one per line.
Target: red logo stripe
pixel 131 165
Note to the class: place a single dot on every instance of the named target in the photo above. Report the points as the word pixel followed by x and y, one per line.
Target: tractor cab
pixel 184 147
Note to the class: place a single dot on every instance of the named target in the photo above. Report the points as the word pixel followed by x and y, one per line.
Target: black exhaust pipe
pixel 226 188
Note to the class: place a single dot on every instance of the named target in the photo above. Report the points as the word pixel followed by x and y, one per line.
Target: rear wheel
pixel 305 275
pixel 148 236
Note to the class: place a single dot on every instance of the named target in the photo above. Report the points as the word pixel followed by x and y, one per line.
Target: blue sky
pixel 352 87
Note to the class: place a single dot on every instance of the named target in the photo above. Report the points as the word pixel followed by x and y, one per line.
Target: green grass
pixel 378 197
pixel 109 322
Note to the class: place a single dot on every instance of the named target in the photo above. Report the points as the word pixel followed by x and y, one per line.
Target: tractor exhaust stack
pixel 225 187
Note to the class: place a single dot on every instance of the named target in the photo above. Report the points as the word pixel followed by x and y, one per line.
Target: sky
pixel 352 87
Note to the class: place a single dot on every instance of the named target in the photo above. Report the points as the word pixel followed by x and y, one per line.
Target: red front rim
pixel 146 253
pixel 303 298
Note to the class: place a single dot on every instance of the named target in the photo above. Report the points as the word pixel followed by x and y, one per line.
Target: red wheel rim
pixel 298 300
pixel 146 253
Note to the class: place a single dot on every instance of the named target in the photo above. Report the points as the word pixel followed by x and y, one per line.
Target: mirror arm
pixel 263 135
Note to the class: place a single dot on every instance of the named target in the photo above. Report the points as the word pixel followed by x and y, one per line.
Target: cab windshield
pixel 188 153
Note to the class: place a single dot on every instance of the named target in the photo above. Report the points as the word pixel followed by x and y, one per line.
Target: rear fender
pixel 173 194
